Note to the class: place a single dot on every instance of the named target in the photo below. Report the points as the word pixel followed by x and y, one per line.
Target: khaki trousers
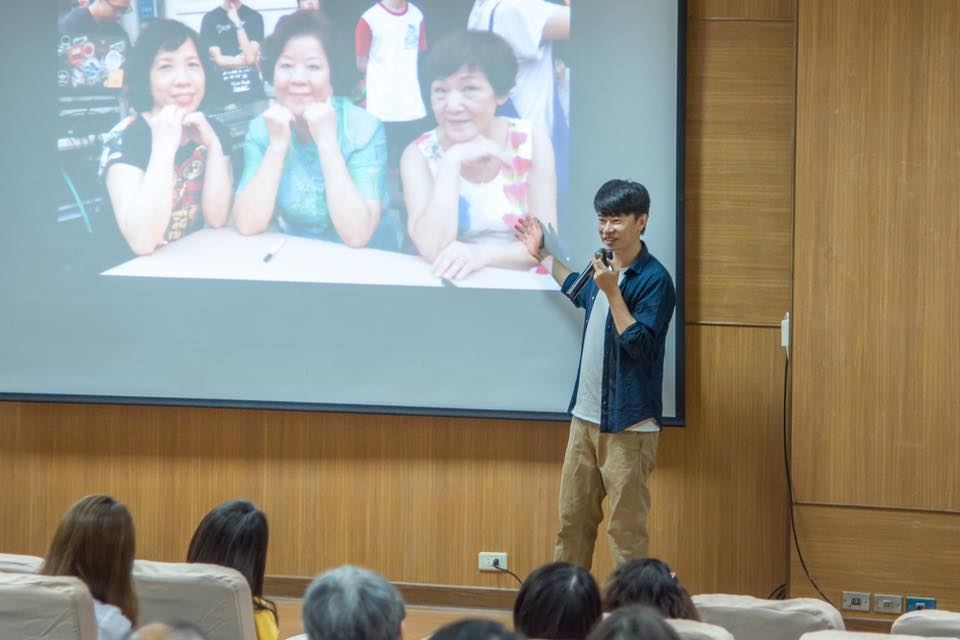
pixel 615 465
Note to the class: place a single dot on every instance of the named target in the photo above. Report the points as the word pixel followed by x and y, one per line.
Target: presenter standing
pixel 617 400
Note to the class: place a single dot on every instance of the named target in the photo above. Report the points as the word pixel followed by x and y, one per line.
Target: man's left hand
pixel 606 277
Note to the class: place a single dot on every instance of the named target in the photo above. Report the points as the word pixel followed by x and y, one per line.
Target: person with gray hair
pixel 350 603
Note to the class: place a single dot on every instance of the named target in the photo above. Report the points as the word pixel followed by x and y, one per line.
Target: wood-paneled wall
pixel 417 498
pixel 877 273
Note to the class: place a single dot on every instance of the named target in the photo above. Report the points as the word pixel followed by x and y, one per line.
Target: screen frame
pixel 11 32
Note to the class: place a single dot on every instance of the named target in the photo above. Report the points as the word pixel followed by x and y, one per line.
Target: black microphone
pixel 577 285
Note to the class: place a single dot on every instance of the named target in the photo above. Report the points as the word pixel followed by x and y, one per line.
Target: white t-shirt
pixel 521 23
pixel 391 42
pixel 111 623
pixel 589 390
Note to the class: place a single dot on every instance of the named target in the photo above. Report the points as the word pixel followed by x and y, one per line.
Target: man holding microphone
pixel 617 400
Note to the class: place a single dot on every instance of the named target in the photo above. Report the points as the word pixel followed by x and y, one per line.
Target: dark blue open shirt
pixel 632 362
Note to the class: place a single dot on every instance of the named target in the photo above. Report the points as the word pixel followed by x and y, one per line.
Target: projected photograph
pixel 321 141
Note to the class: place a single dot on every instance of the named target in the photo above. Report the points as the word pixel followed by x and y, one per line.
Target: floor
pixel 420 621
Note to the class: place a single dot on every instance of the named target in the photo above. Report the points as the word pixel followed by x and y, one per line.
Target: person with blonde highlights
pixel 95 542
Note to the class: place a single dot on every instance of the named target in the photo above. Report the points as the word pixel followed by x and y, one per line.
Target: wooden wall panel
pixel 743 9
pixel 416 498
pixel 879 551
pixel 877 244
pixel 739 171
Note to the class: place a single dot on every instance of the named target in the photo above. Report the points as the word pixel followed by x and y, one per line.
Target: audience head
pixel 634 623
pixel 475 629
pixel 95 542
pixel 166 67
pixel 235 535
pixel 350 603
pixel 650 582
pixel 559 601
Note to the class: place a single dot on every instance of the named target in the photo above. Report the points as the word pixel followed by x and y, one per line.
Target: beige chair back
pixel 858 635
pixel 214 599
pixel 16 563
pixel 693 630
pixel 928 623
pixel 749 618
pixel 36 607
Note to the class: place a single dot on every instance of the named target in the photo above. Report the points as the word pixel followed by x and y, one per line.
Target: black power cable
pixel 786 464
pixel 496 565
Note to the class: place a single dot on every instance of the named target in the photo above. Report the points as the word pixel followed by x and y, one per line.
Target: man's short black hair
pixel 620 197
pixel 157 36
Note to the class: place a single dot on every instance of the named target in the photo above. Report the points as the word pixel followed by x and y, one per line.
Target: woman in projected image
pixel 468 182
pixel 166 168
pixel 314 162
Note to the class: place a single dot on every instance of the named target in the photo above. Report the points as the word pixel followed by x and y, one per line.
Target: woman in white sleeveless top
pixel 468 182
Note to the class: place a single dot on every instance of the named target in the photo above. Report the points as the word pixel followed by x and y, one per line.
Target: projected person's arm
pixel 354 217
pixel 557 26
pixel 254 204
pixel 433 202
pixel 249 49
pixel 459 259
pixel 141 198
pixel 363 38
pixel 217 176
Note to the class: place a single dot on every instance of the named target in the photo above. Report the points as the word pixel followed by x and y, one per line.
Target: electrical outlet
pixel 485 560
pixel 914 603
pixel 856 601
pixel 886 603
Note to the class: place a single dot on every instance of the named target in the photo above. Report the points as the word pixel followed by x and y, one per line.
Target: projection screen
pixel 379 287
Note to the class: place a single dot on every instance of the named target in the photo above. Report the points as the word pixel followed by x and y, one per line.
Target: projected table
pixel 224 254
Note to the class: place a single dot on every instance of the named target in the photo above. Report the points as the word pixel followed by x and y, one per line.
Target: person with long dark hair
pixel 95 542
pixel 235 534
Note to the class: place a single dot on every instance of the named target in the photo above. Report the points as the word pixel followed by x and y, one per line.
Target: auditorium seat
pixel 16 563
pixel 929 623
pixel 693 630
pixel 749 618
pixel 215 599
pixel 862 635
pixel 36 607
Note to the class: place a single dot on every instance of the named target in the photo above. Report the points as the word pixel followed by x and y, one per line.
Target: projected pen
pixel 275 250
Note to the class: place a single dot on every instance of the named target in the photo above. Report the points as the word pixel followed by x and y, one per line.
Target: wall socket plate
pixel 485 560
pixel 915 602
pixel 886 603
pixel 856 601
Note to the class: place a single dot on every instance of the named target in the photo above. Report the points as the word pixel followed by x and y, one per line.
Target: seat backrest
pixel 214 599
pixel 749 618
pixel 693 630
pixel 858 635
pixel 929 623
pixel 16 563
pixel 36 607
